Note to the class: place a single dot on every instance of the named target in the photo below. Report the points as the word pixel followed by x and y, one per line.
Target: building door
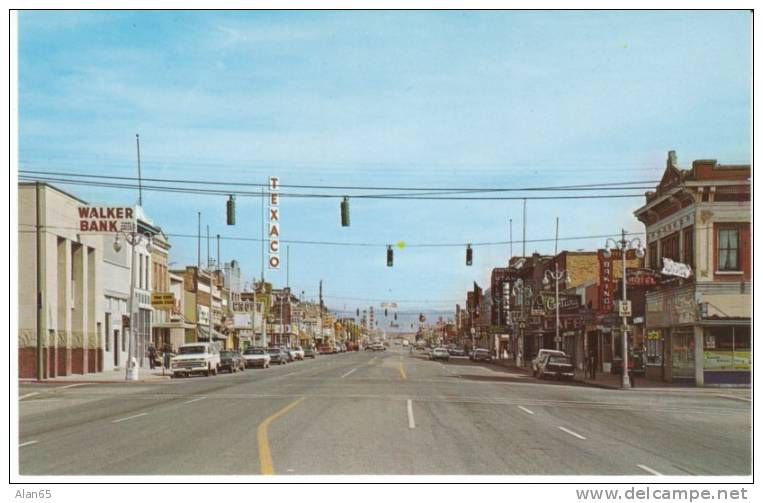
pixel 683 353
pixel 116 348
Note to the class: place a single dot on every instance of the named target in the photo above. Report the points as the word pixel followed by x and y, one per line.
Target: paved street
pixel 379 413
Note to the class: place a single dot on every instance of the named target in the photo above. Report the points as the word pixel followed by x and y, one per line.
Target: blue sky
pixel 432 99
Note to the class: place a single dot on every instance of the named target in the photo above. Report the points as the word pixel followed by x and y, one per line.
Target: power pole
pixel 320 306
pixel 524 226
pixel 40 360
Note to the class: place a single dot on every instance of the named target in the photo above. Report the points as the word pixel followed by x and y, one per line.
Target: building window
pixel 688 256
pixel 653 258
pixel 669 245
pixel 727 348
pixel 728 249
pixel 106 327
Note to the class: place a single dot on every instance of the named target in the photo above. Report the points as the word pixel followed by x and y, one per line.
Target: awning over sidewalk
pixel 202 333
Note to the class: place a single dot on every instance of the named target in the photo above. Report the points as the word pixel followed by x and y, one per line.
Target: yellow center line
pixel 266 461
pixel 402 372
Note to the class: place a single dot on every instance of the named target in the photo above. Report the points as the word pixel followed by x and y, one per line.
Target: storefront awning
pixel 202 333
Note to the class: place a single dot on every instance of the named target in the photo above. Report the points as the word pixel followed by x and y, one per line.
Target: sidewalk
pixel 607 381
pixel 106 377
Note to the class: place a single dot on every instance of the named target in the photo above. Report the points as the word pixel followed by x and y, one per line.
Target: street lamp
pixel 133 238
pixel 624 245
pixel 556 276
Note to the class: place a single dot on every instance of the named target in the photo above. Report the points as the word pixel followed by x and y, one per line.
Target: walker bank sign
pixel 106 218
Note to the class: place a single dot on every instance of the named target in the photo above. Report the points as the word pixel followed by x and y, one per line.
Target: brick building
pixel 698 327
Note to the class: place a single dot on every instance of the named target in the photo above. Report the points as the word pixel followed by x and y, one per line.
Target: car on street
pixel 326 349
pixel 378 347
pixel 232 361
pixel 540 355
pixel 482 355
pixel 556 366
pixel 196 358
pixel 310 353
pixel 456 352
pixel 440 354
pixel 297 353
pixel 278 355
pixel 256 357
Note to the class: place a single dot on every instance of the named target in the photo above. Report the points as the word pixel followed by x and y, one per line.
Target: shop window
pixel 727 348
pixel 728 249
pixel 653 347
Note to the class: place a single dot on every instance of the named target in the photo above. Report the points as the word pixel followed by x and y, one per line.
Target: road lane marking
pixel 734 397
pixel 28 395
pixel 196 399
pixel 581 437
pixel 350 372
pixel 266 460
pixel 650 470
pixel 411 422
pixel 402 372
pixel 130 417
pixel 526 410
pixel 28 443
pixel 73 385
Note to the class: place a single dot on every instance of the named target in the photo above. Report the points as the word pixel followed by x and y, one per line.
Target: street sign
pixel 162 300
pixel 624 307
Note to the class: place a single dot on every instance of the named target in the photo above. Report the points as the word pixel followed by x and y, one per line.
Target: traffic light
pixel 468 254
pixel 345 210
pixel 390 257
pixel 395 315
pixel 357 312
pixel 230 210
pixel 385 312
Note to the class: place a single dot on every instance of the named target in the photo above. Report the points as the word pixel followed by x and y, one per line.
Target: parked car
pixel 482 355
pixel 440 354
pixel 310 353
pixel 337 348
pixel 540 355
pixel 257 357
pixel 456 352
pixel 196 358
pixel 278 355
pixel 232 361
pixel 471 353
pixel 326 349
pixel 297 353
pixel 378 347
pixel 556 366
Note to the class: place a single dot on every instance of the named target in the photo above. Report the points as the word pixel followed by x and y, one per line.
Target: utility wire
pixel 362 244
pixel 589 186
pixel 428 197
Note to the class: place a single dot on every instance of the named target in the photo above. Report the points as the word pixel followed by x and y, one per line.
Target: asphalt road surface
pixel 379 413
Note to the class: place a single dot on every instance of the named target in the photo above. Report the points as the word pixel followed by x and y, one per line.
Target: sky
pixel 383 98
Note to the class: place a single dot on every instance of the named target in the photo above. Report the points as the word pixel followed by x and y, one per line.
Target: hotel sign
pixel 274 225
pixel 163 300
pixel 106 218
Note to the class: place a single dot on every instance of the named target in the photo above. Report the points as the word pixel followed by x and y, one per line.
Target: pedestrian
pixel 166 356
pixel 151 355
pixel 592 361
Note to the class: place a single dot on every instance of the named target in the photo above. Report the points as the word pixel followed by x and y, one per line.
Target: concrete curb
pixel 95 381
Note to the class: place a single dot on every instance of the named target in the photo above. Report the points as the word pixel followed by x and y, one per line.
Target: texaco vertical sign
pixel 274 225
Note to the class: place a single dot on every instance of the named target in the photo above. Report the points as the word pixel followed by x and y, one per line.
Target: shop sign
pixel 606 281
pixel 164 301
pixel 671 268
pixel 641 277
pixel 274 225
pixel 719 360
pixel 106 219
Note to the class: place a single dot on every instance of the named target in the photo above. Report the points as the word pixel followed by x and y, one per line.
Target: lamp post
pixel 521 293
pixel 556 276
pixel 624 245
pixel 133 238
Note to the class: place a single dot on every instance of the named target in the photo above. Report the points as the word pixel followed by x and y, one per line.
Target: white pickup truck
pixel 196 358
